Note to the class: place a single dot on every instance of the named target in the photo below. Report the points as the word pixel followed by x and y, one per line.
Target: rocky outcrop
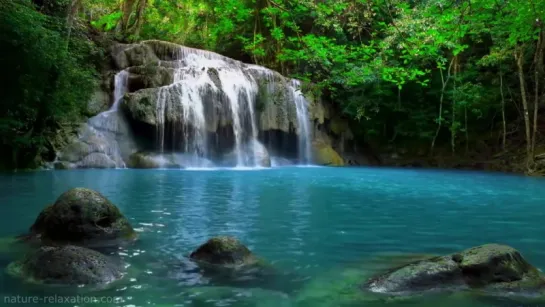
pixel 491 268
pixel 105 141
pixel 82 217
pixel 325 155
pixel 67 265
pixel 223 251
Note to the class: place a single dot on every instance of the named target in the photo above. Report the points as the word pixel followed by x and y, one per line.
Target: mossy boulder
pixel 83 217
pixel 224 251
pixel 66 265
pixel 490 268
pixel 143 160
pixel 324 154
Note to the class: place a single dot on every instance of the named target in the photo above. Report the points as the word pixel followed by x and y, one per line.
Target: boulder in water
pixel 67 265
pixel 83 217
pixel 490 268
pixel 150 160
pixel 224 251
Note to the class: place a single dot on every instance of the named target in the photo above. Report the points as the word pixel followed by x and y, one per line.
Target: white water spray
pixel 120 88
pixel 304 135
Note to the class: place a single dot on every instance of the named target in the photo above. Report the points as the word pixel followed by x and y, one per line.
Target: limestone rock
pixel 99 102
pixel 103 142
pixel 75 151
pixel 96 160
pixel 149 76
pixel 324 154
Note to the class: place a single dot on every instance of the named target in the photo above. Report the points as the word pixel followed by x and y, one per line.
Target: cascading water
pixel 241 92
pixel 304 136
pixel 120 88
pixel 103 139
pixel 193 80
pixel 207 106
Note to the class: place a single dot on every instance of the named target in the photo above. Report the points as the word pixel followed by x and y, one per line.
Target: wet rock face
pixel 67 265
pixel 324 154
pixel 82 217
pixel 223 251
pixel 103 142
pixel 428 275
pixel 490 267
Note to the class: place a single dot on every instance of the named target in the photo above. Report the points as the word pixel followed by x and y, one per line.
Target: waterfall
pixel 120 88
pixel 197 74
pixel 205 106
pixel 241 91
pixel 304 136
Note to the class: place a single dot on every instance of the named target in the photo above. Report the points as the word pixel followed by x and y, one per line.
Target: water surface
pixel 311 224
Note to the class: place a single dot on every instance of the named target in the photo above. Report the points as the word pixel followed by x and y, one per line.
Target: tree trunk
pixel 453 124
pixel 444 83
pixel 70 16
pixel 142 4
pixel 503 111
pixel 467 129
pixel 127 11
pixel 519 57
pixel 538 67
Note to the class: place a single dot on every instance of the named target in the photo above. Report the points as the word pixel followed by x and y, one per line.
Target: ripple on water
pixel 311 224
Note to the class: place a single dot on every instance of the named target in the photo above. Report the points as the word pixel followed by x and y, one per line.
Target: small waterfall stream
pixel 120 88
pixel 305 138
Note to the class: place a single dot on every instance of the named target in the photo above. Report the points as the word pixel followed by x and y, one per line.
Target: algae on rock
pixel 66 265
pixel 83 217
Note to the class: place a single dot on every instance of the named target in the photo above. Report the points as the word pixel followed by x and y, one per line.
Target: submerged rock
pixel 67 265
pixel 83 217
pixel 489 268
pixel 224 251
pixel 236 296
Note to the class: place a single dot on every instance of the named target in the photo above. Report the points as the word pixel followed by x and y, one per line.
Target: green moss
pixel 326 155
pixel 140 160
pixel 66 265
pixel 80 215
pixel 224 250
pixel 338 126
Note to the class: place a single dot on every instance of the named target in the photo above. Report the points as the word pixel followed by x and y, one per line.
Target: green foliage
pixel 403 71
pixel 45 79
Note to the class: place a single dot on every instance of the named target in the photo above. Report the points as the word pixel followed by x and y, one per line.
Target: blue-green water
pixel 312 224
